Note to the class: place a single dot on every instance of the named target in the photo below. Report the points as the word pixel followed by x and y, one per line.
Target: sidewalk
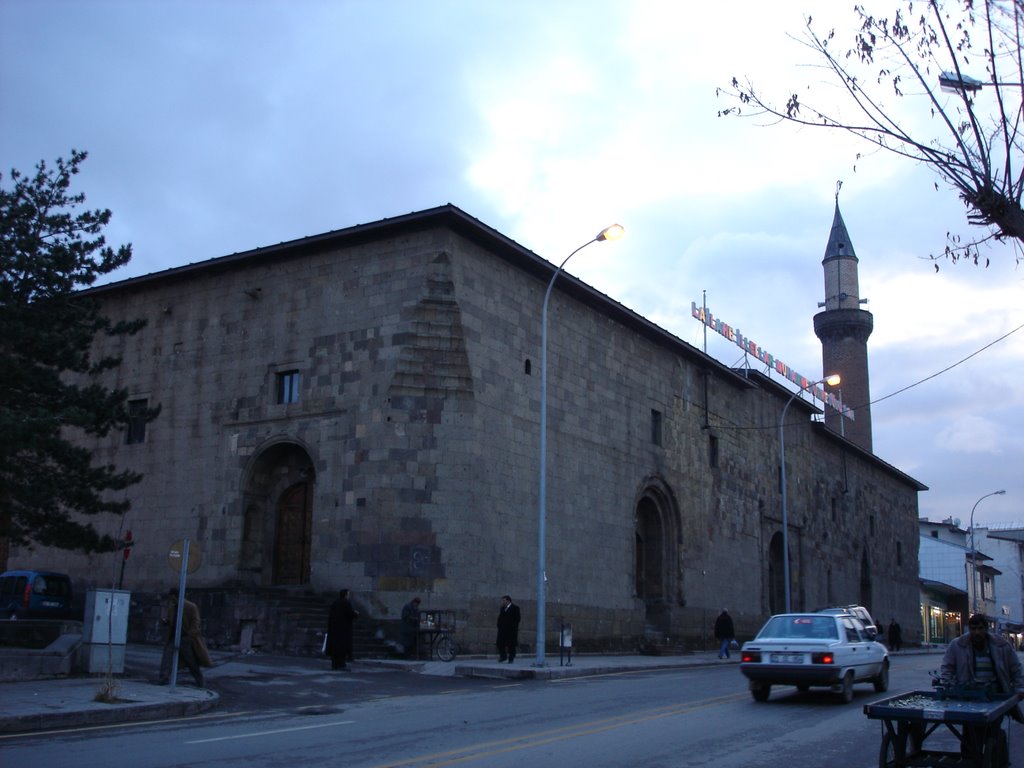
pixel 70 702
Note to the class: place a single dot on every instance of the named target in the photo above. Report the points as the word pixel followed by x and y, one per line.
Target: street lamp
pixel 832 381
pixel 953 82
pixel 974 553
pixel 608 233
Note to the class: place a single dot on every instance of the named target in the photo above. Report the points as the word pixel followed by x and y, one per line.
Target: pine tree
pixel 50 390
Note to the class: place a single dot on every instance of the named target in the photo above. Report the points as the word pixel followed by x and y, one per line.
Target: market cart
pixel 437 634
pixel 974 718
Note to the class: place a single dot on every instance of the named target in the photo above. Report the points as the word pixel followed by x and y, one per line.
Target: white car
pixel 814 649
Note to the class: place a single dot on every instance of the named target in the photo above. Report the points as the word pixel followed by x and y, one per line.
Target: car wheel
pixel 846 688
pixel 760 691
pixel 881 682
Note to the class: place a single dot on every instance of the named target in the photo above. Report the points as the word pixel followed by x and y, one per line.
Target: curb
pixel 127 712
pixel 569 671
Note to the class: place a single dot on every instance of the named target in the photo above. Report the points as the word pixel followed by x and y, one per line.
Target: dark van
pixel 35 595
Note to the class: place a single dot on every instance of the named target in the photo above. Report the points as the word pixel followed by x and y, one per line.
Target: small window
pixel 899 553
pixel 656 427
pixel 528 368
pixel 136 431
pixel 288 387
pixel 713 451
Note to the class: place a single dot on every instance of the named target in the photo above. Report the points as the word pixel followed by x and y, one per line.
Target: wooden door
pixel 292 539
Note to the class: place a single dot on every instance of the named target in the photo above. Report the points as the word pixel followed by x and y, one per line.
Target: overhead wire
pixel 903 389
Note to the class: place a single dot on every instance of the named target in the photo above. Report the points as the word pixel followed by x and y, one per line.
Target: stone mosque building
pixel 361 409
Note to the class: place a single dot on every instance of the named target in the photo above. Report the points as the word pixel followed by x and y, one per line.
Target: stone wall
pixel 417 431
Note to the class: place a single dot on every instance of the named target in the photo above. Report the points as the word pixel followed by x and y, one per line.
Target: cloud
pixel 218 127
pixel 970 434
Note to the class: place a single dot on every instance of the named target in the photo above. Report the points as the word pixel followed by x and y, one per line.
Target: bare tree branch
pixel 976 145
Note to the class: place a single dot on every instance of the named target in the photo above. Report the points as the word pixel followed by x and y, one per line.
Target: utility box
pixel 105 630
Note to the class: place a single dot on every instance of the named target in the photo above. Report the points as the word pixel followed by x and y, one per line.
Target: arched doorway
pixel 656 555
pixel 865 582
pixel 650 544
pixel 275 547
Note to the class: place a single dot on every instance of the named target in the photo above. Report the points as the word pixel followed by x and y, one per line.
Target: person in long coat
pixel 724 633
pixel 339 630
pixel 410 627
pixel 192 648
pixel 508 629
pixel 895 636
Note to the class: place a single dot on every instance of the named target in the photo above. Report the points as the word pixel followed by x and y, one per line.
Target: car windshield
pixel 805 627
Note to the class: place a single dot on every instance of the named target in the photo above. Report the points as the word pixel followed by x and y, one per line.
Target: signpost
pixel 183 561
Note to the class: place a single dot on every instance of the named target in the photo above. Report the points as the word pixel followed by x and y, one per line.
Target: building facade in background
pixel 360 409
pixel 961 576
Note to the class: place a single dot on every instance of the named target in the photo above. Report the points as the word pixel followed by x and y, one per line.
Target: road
pixel 384 718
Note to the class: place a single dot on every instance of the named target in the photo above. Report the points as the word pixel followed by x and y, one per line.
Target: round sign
pixel 195 557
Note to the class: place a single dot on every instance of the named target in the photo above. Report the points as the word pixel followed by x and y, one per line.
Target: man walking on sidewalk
pixel 192 648
pixel 724 633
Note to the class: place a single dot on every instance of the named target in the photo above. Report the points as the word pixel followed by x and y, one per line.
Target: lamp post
pixel 832 381
pixel 608 233
pixel 974 553
pixel 957 82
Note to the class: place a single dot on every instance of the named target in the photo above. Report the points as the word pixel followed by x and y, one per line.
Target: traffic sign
pixel 195 556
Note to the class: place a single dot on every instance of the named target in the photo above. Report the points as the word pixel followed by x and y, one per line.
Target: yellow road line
pixel 501 746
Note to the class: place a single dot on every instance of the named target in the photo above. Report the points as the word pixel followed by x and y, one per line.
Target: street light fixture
pixel 974 553
pixel 832 381
pixel 613 232
pixel 953 82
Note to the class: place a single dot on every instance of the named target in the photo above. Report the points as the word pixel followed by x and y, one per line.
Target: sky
pixel 217 126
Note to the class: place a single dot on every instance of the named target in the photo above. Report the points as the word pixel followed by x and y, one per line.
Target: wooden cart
pixel 910 718
pixel 437 635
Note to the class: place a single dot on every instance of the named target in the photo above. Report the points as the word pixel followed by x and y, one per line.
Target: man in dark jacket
pixel 895 635
pixel 508 629
pixel 339 630
pixel 978 658
pixel 724 633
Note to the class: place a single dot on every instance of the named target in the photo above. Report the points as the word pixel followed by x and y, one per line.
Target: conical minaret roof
pixel 839 243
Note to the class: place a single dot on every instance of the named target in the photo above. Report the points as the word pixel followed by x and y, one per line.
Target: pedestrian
pixel 724 633
pixel 508 629
pixel 191 648
pixel 895 635
pixel 980 659
pixel 339 630
pixel 410 626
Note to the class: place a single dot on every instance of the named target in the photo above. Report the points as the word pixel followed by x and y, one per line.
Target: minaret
pixel 843 328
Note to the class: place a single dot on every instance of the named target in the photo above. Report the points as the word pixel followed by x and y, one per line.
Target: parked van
pixel 861 613
pixel 35 595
